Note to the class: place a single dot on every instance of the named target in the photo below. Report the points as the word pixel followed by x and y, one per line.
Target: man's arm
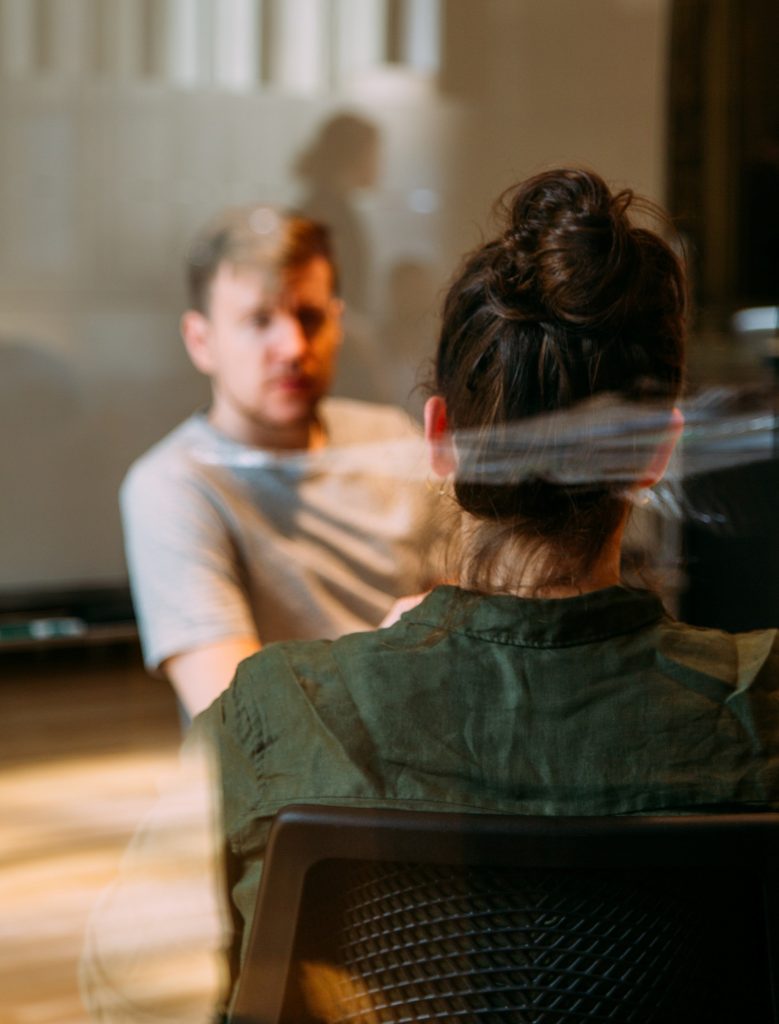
pixel 190 596
pixel 200 675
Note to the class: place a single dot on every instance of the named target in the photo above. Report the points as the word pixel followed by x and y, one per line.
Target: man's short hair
pixel 262 237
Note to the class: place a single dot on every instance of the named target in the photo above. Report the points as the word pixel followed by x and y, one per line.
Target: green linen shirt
pixel 597 704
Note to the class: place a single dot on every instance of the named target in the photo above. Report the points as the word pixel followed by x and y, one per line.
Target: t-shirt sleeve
pixel 187 583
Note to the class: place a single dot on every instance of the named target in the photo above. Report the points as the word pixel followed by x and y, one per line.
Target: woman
pixel 539 685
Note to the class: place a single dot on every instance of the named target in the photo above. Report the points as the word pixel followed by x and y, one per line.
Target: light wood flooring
pixel 85 736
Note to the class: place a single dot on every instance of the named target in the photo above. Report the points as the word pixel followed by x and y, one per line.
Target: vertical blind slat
pixel 358 36
pixel 67 37
pixel 122 38
pixel 298 46
pixel 18 34
pixel 186 51
pixel 422 30
pixel 237 44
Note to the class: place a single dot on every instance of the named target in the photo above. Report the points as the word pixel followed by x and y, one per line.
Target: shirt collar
pixel 539 622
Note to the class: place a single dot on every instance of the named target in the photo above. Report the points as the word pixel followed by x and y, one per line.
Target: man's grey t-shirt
pixel 226 540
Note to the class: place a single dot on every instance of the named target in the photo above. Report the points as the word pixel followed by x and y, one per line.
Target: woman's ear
pixel 662 456
pixel 440 446
pixel 195 330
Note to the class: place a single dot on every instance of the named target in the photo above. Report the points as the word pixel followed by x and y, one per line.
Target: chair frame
pixel 304 835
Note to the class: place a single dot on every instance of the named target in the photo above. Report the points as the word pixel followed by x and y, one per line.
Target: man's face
pixel 269 348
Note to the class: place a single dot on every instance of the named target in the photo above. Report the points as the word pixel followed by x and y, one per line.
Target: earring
pixel 441 489
pixel 643 497
pixel 446 486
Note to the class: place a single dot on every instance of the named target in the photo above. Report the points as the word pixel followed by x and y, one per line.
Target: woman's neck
pixel 542 573
pixel 599 577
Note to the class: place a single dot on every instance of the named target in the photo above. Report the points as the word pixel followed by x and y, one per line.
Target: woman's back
pixel 543 686
pixel 595 704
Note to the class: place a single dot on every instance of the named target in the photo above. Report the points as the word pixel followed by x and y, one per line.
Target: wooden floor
pixel 85 737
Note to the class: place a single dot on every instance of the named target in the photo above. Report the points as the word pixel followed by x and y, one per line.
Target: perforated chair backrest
pixel 374 916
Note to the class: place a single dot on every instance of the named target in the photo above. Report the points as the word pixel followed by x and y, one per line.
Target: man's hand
pixel 200 675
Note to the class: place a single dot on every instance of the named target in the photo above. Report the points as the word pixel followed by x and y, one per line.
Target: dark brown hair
pixel 258 236
pixel 572 300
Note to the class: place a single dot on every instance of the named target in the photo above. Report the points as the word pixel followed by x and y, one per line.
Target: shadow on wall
pixel 383 358
pixel 343 158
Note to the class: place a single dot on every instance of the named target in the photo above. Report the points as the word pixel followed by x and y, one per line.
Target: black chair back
pixel 374 916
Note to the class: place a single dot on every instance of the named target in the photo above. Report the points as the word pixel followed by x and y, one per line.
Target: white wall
pixel 551 82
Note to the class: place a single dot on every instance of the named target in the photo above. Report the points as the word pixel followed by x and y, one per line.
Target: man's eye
pixel 262 320
pixel 310 320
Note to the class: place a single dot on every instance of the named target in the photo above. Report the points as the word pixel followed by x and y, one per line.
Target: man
pixel 255 520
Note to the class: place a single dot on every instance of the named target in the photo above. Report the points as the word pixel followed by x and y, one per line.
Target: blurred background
pixel 124 124
pixel 127 123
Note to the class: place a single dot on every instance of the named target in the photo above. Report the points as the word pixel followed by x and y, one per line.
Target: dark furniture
pixel 384 916
pixel 730 534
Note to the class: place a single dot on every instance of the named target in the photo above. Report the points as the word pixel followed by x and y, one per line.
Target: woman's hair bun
pixel 571 301
pixel 574 246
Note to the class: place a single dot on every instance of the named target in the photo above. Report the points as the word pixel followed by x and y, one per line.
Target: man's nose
pixel 292 343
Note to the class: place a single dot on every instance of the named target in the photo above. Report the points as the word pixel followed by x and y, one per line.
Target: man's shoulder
pixel 169 459
pixel 351 421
